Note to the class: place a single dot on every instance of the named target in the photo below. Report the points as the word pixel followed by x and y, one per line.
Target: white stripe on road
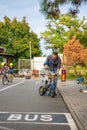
pixel 5 128
pixel 37 123
pixel 71 121
pixel 11 86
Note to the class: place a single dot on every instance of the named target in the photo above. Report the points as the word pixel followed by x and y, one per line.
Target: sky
pixel 30 9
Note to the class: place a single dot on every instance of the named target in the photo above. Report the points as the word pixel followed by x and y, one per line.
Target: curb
pixel 73 114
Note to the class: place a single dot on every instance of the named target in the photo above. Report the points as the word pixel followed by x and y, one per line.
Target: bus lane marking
pixel 38 118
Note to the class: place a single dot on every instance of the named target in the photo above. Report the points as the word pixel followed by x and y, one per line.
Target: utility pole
pixel 30 53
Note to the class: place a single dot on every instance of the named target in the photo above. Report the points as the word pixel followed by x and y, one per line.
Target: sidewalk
pixel 76 101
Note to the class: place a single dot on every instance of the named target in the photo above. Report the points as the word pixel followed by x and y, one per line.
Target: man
pixel 55 65
pixel 55 62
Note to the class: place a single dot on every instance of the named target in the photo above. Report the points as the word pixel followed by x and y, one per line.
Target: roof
pixel 3 54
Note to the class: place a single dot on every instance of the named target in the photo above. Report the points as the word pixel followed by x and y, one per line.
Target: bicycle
pixel 5 79
pixel 48 86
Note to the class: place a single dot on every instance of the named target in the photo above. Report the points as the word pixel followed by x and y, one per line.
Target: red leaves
pixel 74 52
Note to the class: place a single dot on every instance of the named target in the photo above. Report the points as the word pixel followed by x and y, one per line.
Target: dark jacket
pixel 54 65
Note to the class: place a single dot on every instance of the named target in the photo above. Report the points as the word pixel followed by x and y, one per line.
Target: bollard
pixel 63 75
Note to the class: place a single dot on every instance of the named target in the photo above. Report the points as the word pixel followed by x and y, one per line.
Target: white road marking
pixel 5 128
pixel 3 112
pixel 69 119
pixel 38 123
pixel 11 86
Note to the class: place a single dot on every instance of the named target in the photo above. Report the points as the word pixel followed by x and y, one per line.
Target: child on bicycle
pixel 5 70
pixel 46 72
pixel 11 68
pixel 46 69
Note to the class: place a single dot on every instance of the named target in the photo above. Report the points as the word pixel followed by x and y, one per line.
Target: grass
pixel 70 76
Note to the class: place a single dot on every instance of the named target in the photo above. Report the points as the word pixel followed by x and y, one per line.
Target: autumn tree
pixel 74 53
pixel 59 31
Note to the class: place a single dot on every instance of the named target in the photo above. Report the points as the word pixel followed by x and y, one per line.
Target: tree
pixel 51 8
pixel 60 31
pixel 54 36
pixel 74 53
pixel 16 37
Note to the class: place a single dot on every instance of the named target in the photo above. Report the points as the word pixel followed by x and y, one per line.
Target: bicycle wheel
pixel 4 80
pixel 52 92
pixel 41 90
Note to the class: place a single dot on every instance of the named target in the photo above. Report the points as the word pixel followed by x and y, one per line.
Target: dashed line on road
pixel 11 86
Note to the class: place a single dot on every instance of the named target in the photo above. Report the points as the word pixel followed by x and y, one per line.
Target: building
pixel 5 57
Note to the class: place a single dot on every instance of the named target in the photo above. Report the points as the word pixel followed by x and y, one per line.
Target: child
pixel 11 68
pixel 46 70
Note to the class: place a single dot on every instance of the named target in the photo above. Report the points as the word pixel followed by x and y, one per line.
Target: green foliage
pixel 16 37
pixel 81 72
pixel 61 30
pixel 70 76
pixel 86 63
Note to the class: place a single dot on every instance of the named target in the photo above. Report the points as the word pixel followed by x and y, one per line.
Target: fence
pixel 24 64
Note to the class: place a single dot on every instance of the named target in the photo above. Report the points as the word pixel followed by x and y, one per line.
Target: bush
pixel 70 76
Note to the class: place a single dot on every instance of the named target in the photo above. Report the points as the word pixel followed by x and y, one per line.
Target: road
pixel 22 108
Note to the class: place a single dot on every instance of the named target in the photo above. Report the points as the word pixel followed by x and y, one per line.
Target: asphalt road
pixel 22 108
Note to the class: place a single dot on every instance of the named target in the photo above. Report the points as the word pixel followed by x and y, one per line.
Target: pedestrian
pixel 55 65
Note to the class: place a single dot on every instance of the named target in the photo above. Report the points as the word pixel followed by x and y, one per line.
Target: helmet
pixel 47 63
pixel 11 64
pixel 3 63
